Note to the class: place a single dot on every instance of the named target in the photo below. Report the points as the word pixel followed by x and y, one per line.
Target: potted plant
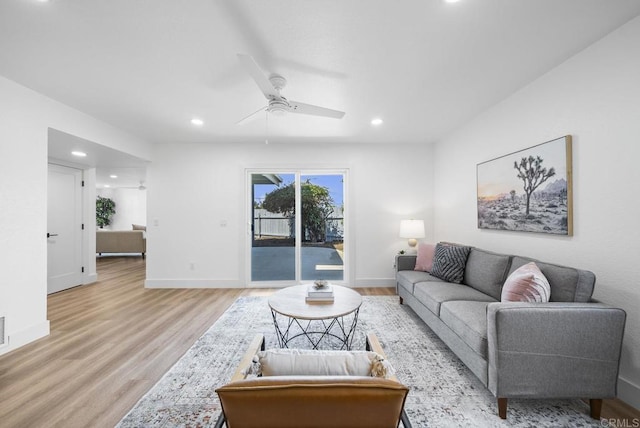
pixel 105 209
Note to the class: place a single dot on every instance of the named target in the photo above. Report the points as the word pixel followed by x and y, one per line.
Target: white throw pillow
pixel 303 362
pixel 526 284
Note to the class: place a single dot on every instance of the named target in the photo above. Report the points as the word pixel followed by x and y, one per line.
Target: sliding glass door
pixel 297 226
pixel 273 237
pixel 322 231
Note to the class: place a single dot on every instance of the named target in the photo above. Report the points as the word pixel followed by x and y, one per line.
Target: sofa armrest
pixel 554 350
pixel 405 262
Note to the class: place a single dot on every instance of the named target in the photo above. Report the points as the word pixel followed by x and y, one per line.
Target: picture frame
pixel 530 190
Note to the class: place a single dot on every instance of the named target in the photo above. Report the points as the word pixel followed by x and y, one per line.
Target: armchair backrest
pixel 313 401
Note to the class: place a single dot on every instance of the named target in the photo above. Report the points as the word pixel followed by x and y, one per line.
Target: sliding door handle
pixel 49 235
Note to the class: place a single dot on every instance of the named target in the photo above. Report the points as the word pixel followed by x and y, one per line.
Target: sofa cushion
pixel 433 294
pixel 567 284
pixel 424 260
pixel 469 321
pixel 449 262
pixel 486 271
pixel 526 284
pixel 408 278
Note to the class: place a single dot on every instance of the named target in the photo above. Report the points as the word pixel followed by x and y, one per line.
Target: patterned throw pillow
pixel 526 284
pixel 449 262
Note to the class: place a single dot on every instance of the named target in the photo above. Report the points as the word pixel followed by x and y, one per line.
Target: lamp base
pixel 412 246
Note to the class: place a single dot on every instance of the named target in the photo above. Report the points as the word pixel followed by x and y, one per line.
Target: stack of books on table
pixel 319 294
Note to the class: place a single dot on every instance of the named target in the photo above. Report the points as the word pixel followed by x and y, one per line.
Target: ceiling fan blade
pixel 258 76
pixel 296 107
pixel 251 116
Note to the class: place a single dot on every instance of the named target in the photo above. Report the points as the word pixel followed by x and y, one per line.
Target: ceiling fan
pixel 277 104
pixel 141 186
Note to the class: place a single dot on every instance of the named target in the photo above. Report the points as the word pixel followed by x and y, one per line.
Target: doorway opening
pixel 100 170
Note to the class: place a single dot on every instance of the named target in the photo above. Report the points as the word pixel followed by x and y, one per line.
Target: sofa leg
pixel 502 408
pixel 401 300
pixel 596 407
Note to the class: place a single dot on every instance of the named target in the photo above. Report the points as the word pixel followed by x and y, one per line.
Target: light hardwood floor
pixel 111 341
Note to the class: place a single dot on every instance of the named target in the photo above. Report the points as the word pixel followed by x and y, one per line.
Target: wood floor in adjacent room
pixel 113 340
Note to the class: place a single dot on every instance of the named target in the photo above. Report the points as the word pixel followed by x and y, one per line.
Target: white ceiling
pixel 130 171
pixel 424 66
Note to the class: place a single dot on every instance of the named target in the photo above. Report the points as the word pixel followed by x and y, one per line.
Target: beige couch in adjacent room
pixel 121 241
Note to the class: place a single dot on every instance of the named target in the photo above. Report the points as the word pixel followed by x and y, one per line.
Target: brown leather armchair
pixel 311 401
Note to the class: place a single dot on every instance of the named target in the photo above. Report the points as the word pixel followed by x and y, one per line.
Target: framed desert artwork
pixel 529 190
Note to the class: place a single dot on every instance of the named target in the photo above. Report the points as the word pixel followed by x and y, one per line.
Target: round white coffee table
pixel 293 317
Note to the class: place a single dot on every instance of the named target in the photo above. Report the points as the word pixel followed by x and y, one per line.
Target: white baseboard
pixel 193 283
pixel 629 392
pixel 234 283
pixel 90 278
pixel 20 338
pixel 375 282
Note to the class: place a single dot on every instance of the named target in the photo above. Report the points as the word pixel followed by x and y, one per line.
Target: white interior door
pixel 64 228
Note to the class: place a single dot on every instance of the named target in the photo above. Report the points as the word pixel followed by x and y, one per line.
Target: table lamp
pixel 412 229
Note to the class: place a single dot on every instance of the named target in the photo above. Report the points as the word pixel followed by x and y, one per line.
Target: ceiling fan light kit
pixel 277 104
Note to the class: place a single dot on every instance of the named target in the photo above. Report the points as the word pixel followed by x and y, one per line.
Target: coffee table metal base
pixel 342 329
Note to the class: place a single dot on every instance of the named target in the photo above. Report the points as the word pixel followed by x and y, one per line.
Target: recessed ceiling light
pixel 113 176
pixel 106 185
pixel 376 122
pixel 197 122
pixel 79 154
pixel 451 1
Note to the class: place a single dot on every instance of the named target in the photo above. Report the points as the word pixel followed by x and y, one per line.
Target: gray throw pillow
pixel 449 262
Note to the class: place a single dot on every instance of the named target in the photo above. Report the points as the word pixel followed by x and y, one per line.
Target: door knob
pixel 49 235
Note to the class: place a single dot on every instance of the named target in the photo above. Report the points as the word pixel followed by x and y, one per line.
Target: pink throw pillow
pixel 424 260
pixel 526 284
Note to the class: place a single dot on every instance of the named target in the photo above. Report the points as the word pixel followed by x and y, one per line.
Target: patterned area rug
pixel 443 392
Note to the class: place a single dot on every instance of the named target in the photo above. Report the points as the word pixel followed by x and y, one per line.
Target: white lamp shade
pixel 411 228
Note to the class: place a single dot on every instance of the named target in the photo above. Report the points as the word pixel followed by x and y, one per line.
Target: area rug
pixel 443 392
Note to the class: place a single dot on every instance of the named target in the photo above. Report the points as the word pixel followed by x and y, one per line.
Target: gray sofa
pixel 567 348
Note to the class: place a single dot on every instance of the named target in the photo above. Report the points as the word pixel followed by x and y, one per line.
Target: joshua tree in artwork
pixel 533 174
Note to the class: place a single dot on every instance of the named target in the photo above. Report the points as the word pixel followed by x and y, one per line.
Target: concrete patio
pixel 278 264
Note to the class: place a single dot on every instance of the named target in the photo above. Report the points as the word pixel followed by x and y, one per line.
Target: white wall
pixel 193 188
pixel 25 117
pixel 131 207
pixel 593 97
